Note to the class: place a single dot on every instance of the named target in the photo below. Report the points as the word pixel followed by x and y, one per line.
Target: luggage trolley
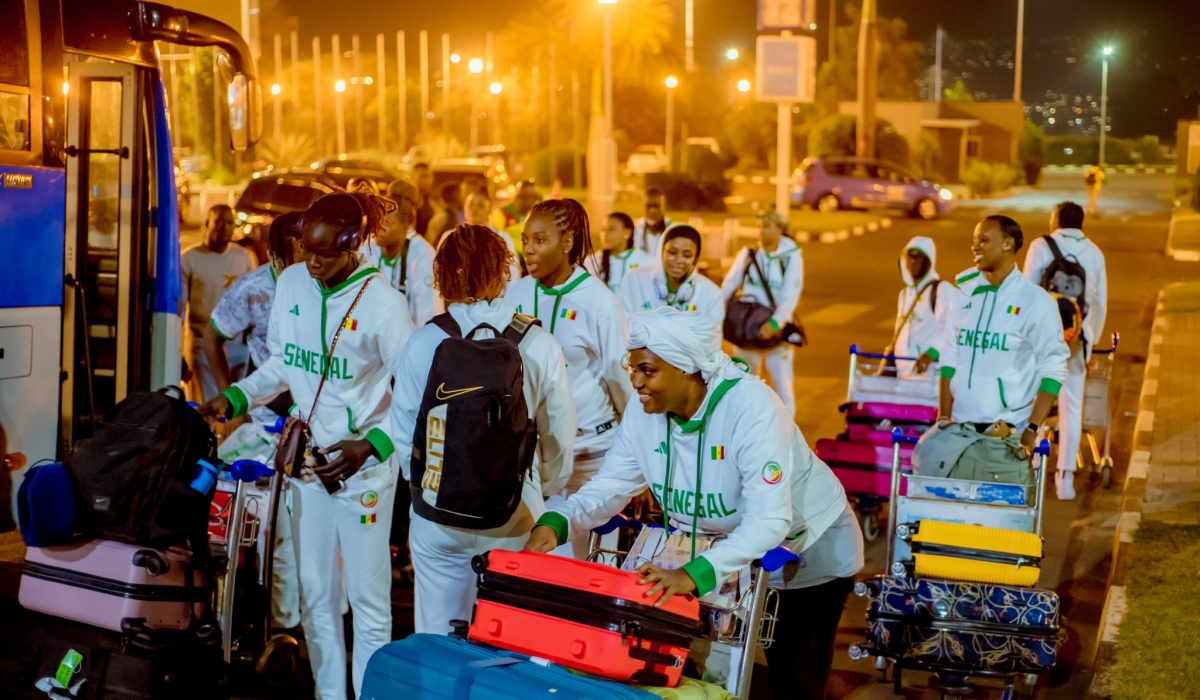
pixel 1097 409
pixel 741 627
pixel 1006 506
pixel 877 402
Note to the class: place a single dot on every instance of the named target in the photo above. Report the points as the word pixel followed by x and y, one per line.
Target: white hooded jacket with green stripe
pixel 925 325
pixel 1001 346
pixel 357 395
pixel 739 468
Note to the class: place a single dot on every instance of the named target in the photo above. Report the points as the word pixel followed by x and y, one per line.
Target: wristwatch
pixel 1032 426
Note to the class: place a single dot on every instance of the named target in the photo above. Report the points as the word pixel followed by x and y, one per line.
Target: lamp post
pixel 340 88
pixel 494 119
pixel 1104 102
pixel 278 107
pixel 1020 50
pixel 476 67
pixel 672 82
pixel 607 185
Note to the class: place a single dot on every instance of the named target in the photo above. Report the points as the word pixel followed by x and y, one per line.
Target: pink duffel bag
pixel 121 587
pixel 874 411
pixel 870 454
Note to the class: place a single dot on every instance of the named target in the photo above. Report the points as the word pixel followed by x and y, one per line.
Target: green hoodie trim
pixel 966 278
pixel 774 323
pixel 934 354
pixel 213 322
pixel 702 574
pixel 381 443
pixel 326 294
pixel 691 426
pixel 238 402
pixel 1050 386
pixel 358 274
pixel 558 293
pixel 947 373
pixel 555 522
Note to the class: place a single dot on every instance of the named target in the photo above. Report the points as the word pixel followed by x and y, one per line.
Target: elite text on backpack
pixel 134 475
pixel 474 440
pixel 1065 276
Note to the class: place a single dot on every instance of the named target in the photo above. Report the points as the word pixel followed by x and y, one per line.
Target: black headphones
pixel 352 238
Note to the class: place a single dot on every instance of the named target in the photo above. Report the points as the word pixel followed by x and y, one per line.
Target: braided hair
pixel 471 264
pixel 570 217
pixel 606 255
pixel 340 211
pixel 281 238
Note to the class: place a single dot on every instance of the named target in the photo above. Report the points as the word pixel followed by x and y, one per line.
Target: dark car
pixel 343 171
pixel 270 194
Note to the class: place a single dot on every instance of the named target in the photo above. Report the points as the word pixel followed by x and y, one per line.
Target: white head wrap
pixel 690 341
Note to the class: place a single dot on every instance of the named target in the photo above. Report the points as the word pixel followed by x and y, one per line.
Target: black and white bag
pixel 474 440
pixel 1065 276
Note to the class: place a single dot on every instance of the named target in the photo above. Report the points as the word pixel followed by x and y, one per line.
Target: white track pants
pixel 590 450
pixel 355 524
pixel 1070 411
pixel 778 364
pixel 441 557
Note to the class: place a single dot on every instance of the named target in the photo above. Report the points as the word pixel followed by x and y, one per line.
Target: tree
pixel 901 60
pixel 751 129
pixel 835 136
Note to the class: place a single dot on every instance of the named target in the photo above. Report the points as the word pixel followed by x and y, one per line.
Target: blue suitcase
pixel 435 667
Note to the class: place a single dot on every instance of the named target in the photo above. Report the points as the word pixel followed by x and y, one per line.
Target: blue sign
pixel 786 68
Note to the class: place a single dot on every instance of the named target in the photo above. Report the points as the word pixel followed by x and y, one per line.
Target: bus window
pixel 14 78
pixel 104 169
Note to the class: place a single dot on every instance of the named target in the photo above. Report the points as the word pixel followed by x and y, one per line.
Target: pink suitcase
pixel 873 411
pixel 105 584
pixel 867 481
pixel 866 454
pixel 878 434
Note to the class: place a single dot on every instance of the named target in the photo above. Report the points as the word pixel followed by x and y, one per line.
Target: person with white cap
pixel 920 308
pixel 673 279
pixel 776 281
pixel 724 459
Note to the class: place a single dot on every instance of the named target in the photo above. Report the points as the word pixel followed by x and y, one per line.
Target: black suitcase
pixel 111 666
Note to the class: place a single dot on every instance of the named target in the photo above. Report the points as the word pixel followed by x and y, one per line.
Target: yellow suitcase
pixel 958 552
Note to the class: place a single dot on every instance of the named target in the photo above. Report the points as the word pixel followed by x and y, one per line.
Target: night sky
pixel 1155 43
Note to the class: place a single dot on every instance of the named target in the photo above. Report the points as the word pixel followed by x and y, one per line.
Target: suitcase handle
pixel 466 677
pixel 654 657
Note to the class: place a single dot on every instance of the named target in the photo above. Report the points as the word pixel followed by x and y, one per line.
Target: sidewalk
pixel 1162 487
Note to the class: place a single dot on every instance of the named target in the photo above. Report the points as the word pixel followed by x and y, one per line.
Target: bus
pixel 91 298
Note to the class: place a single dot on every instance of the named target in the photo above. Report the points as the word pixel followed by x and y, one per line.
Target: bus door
pixel 103 252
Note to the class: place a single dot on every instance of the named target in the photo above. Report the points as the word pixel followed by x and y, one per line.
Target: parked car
pixel 491 168
pixel 649 158
pixel 270 194
pixel 343 171
pixel 830 183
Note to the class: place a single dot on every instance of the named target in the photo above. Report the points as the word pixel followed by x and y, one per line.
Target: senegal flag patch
pixel 350 325
pixel 1014 311
pixel 568 314
pixel 367 519
pixel 718 452
pixel 690 307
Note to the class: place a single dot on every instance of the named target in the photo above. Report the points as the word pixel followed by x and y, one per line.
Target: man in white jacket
pixel 342 511
pixel 1003 355
pixel 471 272
pixel 1066 230
pixel 404 258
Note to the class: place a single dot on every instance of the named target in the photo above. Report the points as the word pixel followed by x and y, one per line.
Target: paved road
pixel 850 297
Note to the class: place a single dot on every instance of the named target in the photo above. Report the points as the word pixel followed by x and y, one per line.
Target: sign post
pixel 785 73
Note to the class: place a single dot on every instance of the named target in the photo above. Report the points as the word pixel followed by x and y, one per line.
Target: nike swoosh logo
pixel 443 395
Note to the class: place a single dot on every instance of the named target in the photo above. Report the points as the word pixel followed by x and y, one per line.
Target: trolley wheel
pixel 1106 473
pixel 279 661
pixel 870 526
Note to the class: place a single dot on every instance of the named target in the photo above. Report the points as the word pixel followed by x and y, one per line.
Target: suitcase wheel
pixel 278 661
pixel 479 563
pixel 152 561
pixel 870 526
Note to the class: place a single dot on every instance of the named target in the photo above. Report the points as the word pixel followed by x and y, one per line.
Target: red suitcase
pixel 850 452
pixel 587 616
pixel 896 412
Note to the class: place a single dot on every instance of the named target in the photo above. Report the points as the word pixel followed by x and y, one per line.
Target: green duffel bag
pixel 1000 461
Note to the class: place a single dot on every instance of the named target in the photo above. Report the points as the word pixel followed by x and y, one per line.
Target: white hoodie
pixel 1002 345
pixel 785 274
pixel 547 394
pixel 423 300
pixel 358 389
pixel 645 289
pixel 926 324
pixel 586 320
pixel 1078 247
pixel 647 241
pixel 740 468
pixel 620 264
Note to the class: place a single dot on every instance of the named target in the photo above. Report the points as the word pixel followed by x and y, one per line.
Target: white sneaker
pixel 1064 483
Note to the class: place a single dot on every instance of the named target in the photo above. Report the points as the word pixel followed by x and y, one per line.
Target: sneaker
pixel 1064 483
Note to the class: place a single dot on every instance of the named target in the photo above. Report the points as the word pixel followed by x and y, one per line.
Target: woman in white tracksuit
pixel 673 279
pixel 723 458
pixel 619 256
pixel 921 305
pixel 586 320
pixel 349 426
pixel 405 258
pixel 782 263
pixel 471 272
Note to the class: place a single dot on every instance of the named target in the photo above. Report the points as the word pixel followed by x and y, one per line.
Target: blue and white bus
pixel 90 285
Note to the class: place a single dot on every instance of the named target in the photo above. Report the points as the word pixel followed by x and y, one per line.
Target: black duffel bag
pixel 744 319
pixel 134 475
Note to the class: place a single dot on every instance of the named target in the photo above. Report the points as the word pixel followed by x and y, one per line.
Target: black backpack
pixel 474 440
pixel 1065 276
pixel 133 477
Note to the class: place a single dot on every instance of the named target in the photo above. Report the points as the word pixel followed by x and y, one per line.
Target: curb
pixel 1129 515
pixel 1181 219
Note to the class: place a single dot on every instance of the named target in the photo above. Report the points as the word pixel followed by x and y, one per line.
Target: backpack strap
pixel 404 265
pixel 763 278
pixel 1058 256
pixel 519 327
pixel 933 295
pixel 447 323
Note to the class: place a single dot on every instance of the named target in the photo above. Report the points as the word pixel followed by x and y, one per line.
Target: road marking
pixel 843 235
pixel 740 179
pixel 1186 255
pixel 828 237
pixel 758 179
pixel 873 226
pixel 836 314
pixel 858 230
pixel 803 236
pixel 885 223
pixel 1153 361
pixel 1114 611
pixel 1149 388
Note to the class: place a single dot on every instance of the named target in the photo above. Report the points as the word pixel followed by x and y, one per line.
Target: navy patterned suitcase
pixel 969 627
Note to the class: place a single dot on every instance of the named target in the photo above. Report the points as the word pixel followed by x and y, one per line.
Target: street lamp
pixel 743 86
pixel 340 89
pixel 455 58
pixel 475 65
pixel 496 88
pixel 607 149
pixel 672 82
pixel 1104 102
pixel 732 54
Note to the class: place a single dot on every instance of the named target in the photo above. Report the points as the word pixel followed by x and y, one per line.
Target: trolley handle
pixel 617 522
pixel 1116 340
pixel 877 356
pixel 899 438
pixel 773 560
